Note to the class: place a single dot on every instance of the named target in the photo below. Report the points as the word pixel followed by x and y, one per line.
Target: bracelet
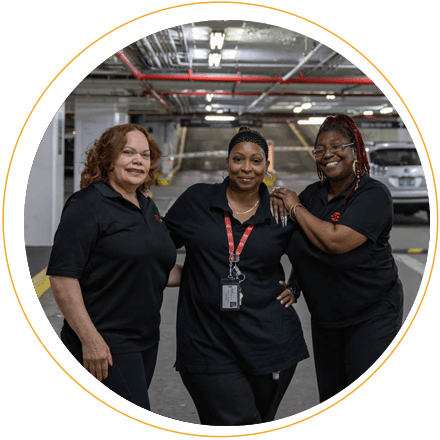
pixel 292 210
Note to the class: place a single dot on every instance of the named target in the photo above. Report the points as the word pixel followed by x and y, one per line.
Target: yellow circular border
pixel 131 21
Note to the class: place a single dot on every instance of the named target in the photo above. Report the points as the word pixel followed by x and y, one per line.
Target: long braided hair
pixel 347 126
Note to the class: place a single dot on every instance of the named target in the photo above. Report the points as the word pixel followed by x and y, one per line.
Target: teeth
pixel 331 164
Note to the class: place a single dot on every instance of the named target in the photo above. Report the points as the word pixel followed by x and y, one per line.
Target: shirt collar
pixel 219 200
pixel 326 187
pixel 108 191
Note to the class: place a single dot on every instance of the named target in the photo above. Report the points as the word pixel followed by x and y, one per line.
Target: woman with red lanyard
pixel 239 339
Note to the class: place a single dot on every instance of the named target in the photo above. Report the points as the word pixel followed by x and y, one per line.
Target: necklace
pixel 244 212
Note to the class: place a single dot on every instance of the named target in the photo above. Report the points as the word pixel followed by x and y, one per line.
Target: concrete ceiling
pixel 264 73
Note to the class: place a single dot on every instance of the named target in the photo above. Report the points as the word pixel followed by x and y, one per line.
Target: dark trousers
pixel 130 375
pixel 234 399
pixel 342 355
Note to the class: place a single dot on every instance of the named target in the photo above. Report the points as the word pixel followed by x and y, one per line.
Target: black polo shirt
pixel 342 290
pixel 122 256
pixel 263 336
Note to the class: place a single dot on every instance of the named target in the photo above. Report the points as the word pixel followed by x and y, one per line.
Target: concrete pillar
pixel 45 191
pixel 92 118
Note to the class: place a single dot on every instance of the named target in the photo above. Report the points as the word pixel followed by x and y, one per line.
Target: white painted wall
pixel 92 118
pixel 45 191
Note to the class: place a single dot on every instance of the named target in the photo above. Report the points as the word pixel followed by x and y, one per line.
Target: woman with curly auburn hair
pixel 101 157
pixel 111 260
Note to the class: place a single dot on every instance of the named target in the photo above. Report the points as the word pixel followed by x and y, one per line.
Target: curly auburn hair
pixel 347 126
pixel 101 157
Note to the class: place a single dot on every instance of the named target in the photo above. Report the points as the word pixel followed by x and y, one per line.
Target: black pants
pixel 342 355
pixel 130 375
pixel 234 399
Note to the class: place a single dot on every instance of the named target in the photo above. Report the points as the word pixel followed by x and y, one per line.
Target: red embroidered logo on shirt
pixel 335 216
pixel 158 219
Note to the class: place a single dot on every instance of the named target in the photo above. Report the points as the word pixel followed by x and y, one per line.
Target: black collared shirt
pixel 122 256
pixel 263 336
pixel 342 290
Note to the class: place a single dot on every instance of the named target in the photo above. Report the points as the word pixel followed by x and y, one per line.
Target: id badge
pixel 230 299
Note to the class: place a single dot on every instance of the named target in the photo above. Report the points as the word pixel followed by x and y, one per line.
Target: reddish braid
pixel 347 125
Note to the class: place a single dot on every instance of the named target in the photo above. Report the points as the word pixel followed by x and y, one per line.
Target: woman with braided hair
pixel 341 257
pixel 238 338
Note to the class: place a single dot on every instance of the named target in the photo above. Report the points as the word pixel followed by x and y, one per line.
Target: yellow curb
pixel 41 282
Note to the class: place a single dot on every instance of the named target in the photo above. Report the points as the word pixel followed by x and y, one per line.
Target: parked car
pixel 398 166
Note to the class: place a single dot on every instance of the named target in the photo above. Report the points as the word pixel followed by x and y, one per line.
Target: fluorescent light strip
pixel 219 118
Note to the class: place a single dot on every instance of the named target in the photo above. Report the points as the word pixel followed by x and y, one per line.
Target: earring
pixel 269 175
pixel 321 177
pixel 223 174
pixel 355 170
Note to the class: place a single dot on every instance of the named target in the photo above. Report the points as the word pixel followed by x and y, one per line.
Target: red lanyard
pixel 240 246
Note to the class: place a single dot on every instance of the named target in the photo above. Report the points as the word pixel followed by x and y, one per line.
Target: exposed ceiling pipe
pixel 256 79
pixel 326 60
pixel 287 76
pixel 137 74
pixel 184 65
pixel 316 95
pixel 162 52
pixel 152 53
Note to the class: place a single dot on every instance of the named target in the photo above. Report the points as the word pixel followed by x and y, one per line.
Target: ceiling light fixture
pixel 311 121
pixel 306 105
pixel 208 108
pixel 214 59
pixel 209 97
pixel 331 97
pixel 217 39
pixel 220 118
pixel 386 110
pixel 297 110
pixel 368 112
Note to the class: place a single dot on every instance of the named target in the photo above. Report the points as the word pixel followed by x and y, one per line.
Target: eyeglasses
pixel 317 152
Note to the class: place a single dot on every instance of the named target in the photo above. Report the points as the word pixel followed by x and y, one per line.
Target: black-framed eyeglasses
pixel 317 152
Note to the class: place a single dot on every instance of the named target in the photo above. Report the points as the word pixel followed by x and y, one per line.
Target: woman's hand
pixel 286 196
pixel 96 353
pixel 97 357
pixel 286 297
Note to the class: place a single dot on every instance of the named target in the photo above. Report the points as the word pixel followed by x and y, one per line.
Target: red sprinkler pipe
pixel 138 75
pixel 233 78
pixel 256 79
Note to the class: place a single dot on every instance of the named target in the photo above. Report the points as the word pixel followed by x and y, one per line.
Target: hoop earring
pixel 355 168
pixel 269 175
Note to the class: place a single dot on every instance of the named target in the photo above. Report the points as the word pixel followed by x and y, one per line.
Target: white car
pixel 397 165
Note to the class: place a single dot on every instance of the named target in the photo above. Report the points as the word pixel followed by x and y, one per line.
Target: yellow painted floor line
pixel 299 136
pixel 41 282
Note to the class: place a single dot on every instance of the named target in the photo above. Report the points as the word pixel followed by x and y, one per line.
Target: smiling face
pixel 247 166
pixel 131 167
pixel 336 166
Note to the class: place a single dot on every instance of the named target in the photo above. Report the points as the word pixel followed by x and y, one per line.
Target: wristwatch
pixel 295 290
